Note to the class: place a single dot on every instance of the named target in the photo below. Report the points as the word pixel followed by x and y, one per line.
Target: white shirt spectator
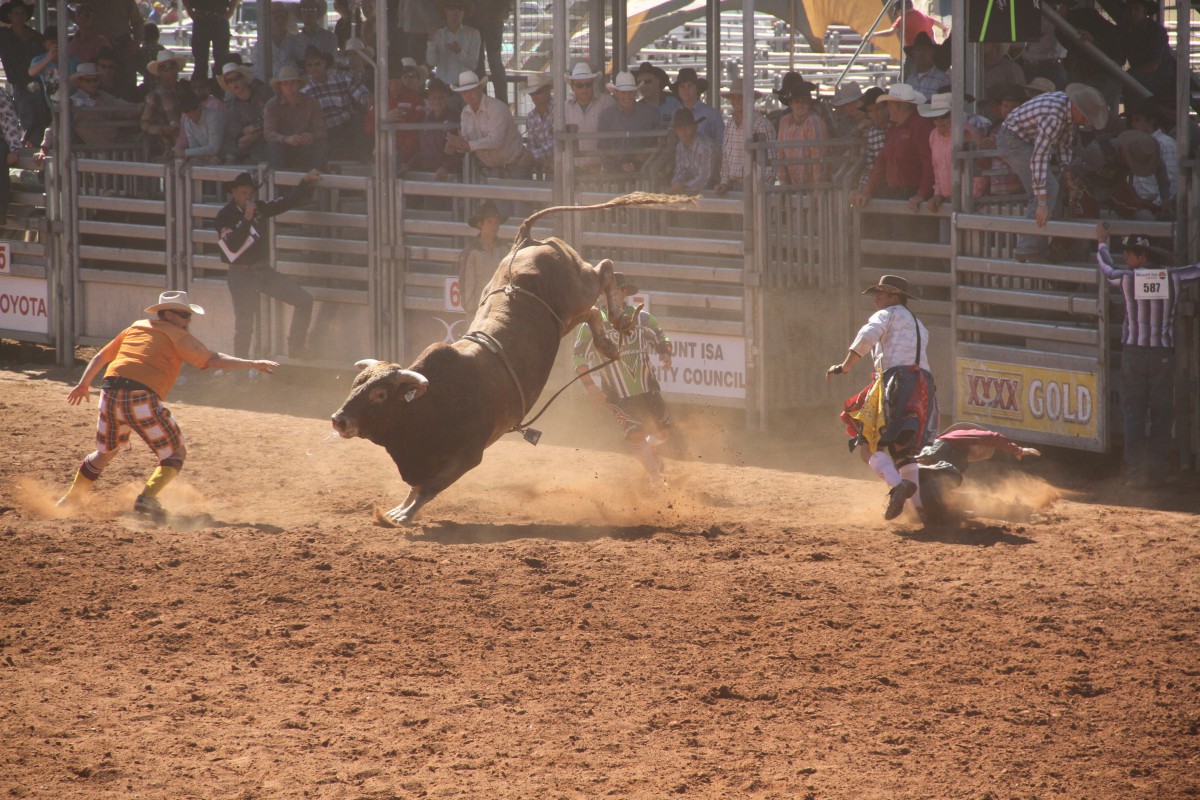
pixel 588 121
pixel 491 132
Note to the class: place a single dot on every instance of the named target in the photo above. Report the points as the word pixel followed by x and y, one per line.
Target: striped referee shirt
pixel 1148 323
pixel 1044 122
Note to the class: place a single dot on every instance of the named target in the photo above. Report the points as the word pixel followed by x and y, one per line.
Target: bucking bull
pixel 436 417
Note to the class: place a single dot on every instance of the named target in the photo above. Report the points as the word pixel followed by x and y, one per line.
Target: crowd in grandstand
pixel 308 98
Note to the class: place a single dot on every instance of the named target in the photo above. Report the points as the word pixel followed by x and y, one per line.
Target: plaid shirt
pixel 1044 122
pixel 875 139
pixel 539 133
pixel 338 95
pixel 733 151
pixel 696 165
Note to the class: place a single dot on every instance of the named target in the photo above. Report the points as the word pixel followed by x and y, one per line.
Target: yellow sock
pixel 79 487
pixel 159 480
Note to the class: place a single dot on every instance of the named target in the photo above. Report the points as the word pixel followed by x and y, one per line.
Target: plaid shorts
pixel 125 410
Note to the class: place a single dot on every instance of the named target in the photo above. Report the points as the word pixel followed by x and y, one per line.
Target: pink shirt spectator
pixel 943 161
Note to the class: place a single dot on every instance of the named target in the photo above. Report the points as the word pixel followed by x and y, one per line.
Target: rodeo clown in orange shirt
pixel 143 363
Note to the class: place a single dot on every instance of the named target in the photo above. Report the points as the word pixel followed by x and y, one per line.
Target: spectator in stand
pixel 1044 57
pixel 106 66
pixel 92 118
pixel 539 123
pixel 147 54
pixel 433 156
pixel 120 21
pixel 203 131
pixel 1147 355
pixel 160 114
pixel 45 66
pixel 1094 28
pixel 19 45
pixel 919 70
pixel 87 42
pixel 688 87
pixel 1026 138
pixel 913 22
pixel 697 157
pixel 904 168
pixel 583 110
pixel 627 116
pixel 1003 100
pixel 652 85
pixel 276 43
pixel 849 119
pixel 453 49
pixel 1145 37
pixel 733 149
pixel 311 33
pixel 294 125
pixel 1105 171
pixel 876 134
pixel 802 124
pixel 245 100
pixel 479 260
pixel 406 105
pixel 489 131
pixel 998 68
pixel 348 19
pixel 210 27
pixel 10 143
pixel 1143 115
pixel 940 149
pixel 488 17
pixel 343 101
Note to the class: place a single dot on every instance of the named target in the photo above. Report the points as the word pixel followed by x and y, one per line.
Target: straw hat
pixel 230 68
pixel 174 301
pixel 288 74
pixel 467 80
pixel 163 57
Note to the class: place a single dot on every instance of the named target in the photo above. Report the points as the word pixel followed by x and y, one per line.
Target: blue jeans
pixel 247 285
pixel 1016 152
pixel 1147 389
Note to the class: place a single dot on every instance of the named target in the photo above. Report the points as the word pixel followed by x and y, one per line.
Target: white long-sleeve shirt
pixel 491 132
pixel 446 64
pixel 890 336
pixel 204 138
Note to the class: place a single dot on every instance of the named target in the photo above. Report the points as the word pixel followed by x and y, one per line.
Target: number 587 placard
pixel 1151 284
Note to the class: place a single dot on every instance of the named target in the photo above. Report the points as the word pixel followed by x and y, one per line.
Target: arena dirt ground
pixel 553 629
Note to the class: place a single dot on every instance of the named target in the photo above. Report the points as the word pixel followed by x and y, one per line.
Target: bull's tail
pixel 632 199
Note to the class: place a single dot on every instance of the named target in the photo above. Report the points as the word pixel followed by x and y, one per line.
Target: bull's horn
pixel 364 363
pixel 411 376
pixel 600 264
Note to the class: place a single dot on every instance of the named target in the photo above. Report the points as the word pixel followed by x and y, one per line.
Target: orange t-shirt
pixel 152 352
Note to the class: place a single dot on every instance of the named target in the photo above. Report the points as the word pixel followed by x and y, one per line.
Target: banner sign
pixel 706 366
pixel 1050 401
pixel 23 304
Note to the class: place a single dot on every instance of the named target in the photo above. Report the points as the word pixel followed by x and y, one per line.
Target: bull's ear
pixel 365 363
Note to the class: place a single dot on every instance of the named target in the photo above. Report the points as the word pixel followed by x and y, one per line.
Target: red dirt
pixel 553 630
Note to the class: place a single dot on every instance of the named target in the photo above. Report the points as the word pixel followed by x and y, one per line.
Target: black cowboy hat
pixel 688 75
pixel 870 96
pixel 664 80
pixel 794 85
pixel 891 284
pixel 244 179
pixel 7 8
pixel 922 39
pixel 622 282
pixel 485 210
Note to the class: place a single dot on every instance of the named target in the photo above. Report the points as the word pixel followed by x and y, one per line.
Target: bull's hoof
pixel 394 518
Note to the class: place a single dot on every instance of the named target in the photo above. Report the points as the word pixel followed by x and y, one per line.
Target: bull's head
pixel 377 390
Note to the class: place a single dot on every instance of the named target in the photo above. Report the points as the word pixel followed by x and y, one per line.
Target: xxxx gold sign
pixel 1058 402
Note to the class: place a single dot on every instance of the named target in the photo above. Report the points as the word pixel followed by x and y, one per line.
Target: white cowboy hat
pixel 163 57
pixel 624 82
pixel 229 69
pixel 582 72
pixel 938 106
pixel 538 83
pixel 174 301
pixel 902 93
pixel 287 75
pixel 467 80
pixel 85 71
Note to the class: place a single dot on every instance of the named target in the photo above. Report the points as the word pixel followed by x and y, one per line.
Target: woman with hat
pixel 896 416
pixel 802 124
pixel 19 45
pixel 688 87
pixel 244 248
pixel 143 362
pixel 160 115
pixel 1151 295
pixel 479 259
